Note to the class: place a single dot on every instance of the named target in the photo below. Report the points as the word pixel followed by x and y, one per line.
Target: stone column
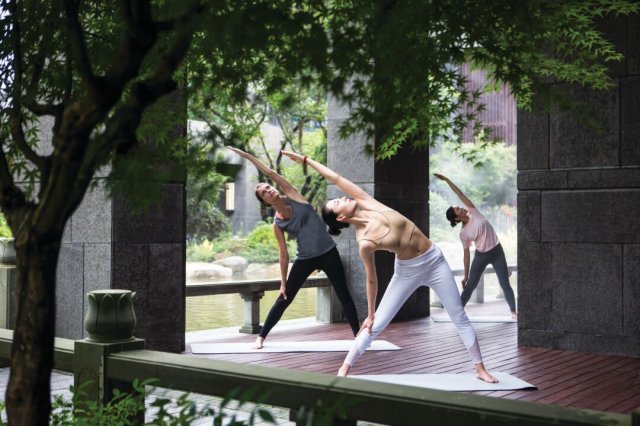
pixel 578 240
pixel 108 245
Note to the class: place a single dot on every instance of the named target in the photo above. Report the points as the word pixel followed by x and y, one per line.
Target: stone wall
pixel 579 194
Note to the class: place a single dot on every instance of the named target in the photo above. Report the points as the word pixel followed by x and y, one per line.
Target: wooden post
pixel 251 312
pixel 109 323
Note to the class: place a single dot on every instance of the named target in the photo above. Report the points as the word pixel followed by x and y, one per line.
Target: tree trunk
pixel 28 393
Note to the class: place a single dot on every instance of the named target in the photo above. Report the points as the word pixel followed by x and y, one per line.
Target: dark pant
pixel 331 264
pixel 495 257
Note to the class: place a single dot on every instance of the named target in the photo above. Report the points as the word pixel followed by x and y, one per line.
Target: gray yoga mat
pixel 451 382
pixel 479 318
pixel 269 346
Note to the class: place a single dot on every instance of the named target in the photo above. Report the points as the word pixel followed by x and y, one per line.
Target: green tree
pixel 97 68
pixel 298 109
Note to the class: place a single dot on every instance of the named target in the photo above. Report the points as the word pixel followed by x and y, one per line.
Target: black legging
pixel 496 257
pixel 331 264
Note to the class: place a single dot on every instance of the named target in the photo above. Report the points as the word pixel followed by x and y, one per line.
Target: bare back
pixel 389 230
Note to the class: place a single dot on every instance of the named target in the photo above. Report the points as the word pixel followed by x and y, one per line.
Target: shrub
pixel 262 246
pixel 5 231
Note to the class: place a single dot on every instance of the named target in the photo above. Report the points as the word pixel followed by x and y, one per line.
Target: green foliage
pixel 5 231
pixel 404 60
pixel 487 177
pixel 262 246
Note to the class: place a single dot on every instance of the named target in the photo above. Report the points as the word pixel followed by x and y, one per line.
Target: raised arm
pixel 467 202
pixel 288 189
pixel 344 184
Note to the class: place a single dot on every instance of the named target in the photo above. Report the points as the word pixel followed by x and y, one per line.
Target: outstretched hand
pixel 240 152
pixel 440 176
pixel 298 158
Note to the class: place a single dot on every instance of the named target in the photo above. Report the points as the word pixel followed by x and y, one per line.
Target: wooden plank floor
pixel 566 378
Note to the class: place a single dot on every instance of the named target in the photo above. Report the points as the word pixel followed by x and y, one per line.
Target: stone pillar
pixel 109 324
pixel 251 312
pixel 402 184
pixel 578 240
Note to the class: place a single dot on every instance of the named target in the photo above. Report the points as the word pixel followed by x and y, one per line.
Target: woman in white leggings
pixel 418 262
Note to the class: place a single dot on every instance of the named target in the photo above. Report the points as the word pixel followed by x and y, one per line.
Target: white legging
pixel 429 269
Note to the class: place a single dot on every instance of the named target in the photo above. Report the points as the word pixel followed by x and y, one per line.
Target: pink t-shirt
pixel 478 230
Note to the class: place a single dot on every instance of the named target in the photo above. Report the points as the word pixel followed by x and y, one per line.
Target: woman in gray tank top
pixel 316 249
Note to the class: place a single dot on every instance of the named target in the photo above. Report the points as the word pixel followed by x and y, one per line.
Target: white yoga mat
pixel 472 318
pixel 451 382
pixel 306 346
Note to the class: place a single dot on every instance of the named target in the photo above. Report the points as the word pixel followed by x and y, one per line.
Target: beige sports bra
pixel 399 224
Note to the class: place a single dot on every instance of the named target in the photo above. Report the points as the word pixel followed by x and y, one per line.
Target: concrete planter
pixel 110 316
pixel 7 251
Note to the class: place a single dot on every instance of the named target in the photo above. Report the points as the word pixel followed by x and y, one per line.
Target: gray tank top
pixel 308 229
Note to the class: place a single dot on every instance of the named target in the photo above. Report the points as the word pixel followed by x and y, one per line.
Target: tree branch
pixel 44 109
pixel 15 115
pixel 79 49
pixel 17 133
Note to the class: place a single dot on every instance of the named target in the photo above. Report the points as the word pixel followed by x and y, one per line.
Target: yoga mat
pixel 306 346
pixel 451 382
pixel 472 318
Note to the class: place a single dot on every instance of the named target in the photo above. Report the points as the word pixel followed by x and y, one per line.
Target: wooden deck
pixel 567 378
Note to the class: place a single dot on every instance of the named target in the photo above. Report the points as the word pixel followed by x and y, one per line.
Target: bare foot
pixel 483 374
pixel 486 377
pixel 514 315
pixel 258 343
pixel 344 370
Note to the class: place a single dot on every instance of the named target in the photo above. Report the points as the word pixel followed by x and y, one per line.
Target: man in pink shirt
pixel 477 229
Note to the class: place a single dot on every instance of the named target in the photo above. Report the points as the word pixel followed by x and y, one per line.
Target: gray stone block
pixel 533 140
pixel 615 30
pixel 633 45
pixel 163 223
pixel 97 266
pixel 356 278
pixel 69 297
pixel 631 290
pixel 66 234
pixel 612 345
pixel 529 215
pixel 347 156
pixel 535 290
pixel 588 134
pixel 587 290
pixel 337 110
pixel 590 216
pixel 630 125
pixel 542 180
pixel 604 178
pixel 91 222
pixel 166 298
pixel 403 192
pixel 130 271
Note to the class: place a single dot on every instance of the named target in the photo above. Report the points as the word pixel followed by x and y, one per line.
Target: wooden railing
pixel 251 291
pixel 112 364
